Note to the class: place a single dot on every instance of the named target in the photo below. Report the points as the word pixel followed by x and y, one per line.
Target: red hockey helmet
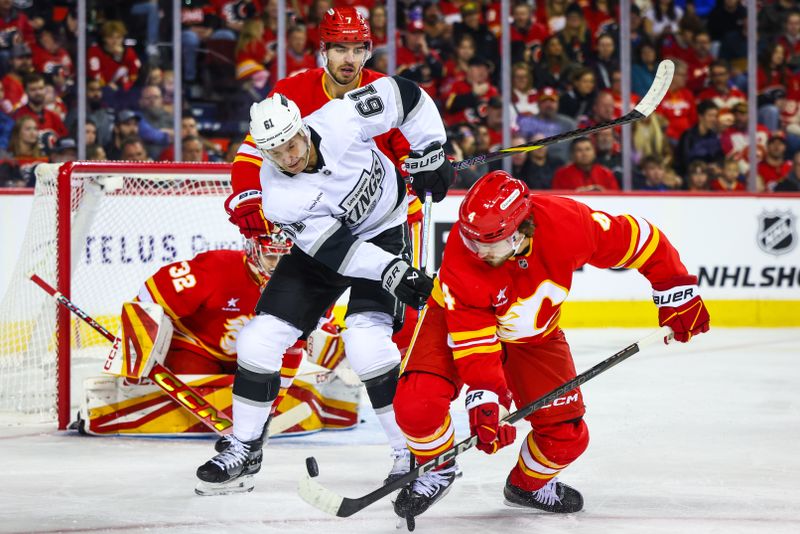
pixel 259 249
pixel 344 25
pixel 493 209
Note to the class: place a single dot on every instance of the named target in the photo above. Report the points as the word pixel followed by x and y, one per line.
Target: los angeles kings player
pixel 344 205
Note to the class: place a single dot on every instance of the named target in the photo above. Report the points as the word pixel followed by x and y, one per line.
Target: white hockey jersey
pixel 354 192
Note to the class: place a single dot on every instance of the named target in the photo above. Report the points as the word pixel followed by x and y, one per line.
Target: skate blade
pixel 243 484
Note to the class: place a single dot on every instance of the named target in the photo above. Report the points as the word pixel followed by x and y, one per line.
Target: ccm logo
pixel 563 401
pixel 673 298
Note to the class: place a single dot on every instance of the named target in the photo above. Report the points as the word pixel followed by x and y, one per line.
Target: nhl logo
pixel 776 232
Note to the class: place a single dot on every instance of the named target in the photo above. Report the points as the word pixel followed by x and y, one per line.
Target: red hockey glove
pixel 244 210
pixel 484 409
pixel 680 307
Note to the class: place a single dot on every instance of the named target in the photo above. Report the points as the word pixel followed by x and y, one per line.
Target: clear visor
pixel 496 249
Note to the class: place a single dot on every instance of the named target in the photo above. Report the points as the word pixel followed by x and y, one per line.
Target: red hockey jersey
pixel 520 301
pixel 209 299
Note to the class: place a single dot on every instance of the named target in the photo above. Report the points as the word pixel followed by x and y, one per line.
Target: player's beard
pixel 345 78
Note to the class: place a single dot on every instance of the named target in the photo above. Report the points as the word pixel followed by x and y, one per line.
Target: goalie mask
pixel 491 213
pixel 274 123
pixel 344 25
pixel 264 252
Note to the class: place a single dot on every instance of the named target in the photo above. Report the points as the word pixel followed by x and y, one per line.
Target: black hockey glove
pixel 430 171
pixel 408 284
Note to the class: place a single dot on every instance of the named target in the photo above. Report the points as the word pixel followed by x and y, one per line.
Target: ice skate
pixel 553 497
pixel 401 465
pixel 421 494
pixel 232 470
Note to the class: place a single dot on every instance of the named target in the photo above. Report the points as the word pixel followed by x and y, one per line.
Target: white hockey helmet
pixel 274 121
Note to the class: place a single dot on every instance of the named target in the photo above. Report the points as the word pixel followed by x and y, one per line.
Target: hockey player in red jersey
pixel 491 324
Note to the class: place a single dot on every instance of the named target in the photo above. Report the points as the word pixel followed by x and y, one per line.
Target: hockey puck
pixel 312 467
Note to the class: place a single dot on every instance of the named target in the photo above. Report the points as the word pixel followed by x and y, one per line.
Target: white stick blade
pixel 319 496
pixel 288 419
pixel 659 88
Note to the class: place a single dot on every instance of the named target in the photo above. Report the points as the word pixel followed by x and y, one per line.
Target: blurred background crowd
pixel 565 74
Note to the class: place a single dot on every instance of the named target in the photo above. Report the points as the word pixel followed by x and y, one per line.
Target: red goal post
pixel 96 231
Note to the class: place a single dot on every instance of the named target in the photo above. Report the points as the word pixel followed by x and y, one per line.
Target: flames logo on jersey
pixel 523 318
pixel 232 328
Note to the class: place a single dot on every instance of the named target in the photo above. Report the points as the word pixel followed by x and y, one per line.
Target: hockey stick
pixel 328 501
pixel 643 109
pixel 173 386
pixel 424 262
pixel 288 419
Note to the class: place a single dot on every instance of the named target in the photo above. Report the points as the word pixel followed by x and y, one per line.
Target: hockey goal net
pixel 96 231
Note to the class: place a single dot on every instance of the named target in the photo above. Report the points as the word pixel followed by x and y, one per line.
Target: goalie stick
pixel 642 110
pixel 328 501
pixel 173 386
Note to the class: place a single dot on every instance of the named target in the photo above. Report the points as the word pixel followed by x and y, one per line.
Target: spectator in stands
pixel 192 148
pixel 25 148
pixel 48 52
pixel 211 151
pixel 641 27
pixel 252 56
pixel 65 149
pixel 701 141
pixel 790 39
pixel 21 66
pixel 527 34
pixel 553 13
pixel 727 21
pixel 90 131
pixel 644 67
pixel 417 61
pixel 468 100
pixel 95 153
pixel 6 124
pixel 15 28
pixel 649 140
pixel 771 17
pixel 438 33
pixel 791 181
pixel 494 123
pixel 542 167
pixel 678 105
pixel 735 140
pixel 114 64
pixel 665 16
pixel 774 166
pixel 554 67
pixel 47 121
pixel 133 150
pixel 377 23
pixel 100 115
pixel 524 98
pixel 609 152
pixel 722 93
pixel 602 111
pixel 616 92
pixel 655 176
pixel 584 173
pixel 700 61
pixel 679 45
pixel 456 68
pixel 520 162
pixel 730 179
pixel 599 15
pixel 697 178
pixel 605 61
pixel 155 126
pixel 548 122
pixel 464 143
pixel 298 57
pixel 486 45
pixel 578 100
pixel 575 36
pixel 774 80
pixel 126 125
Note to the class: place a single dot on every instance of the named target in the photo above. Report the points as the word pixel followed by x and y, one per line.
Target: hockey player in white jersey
pixel 343 203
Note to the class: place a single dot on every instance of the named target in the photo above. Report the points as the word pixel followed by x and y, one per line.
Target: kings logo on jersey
pixel 361 201
pixel 777 233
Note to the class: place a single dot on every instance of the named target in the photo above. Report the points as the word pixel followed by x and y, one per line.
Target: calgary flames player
pixel 492 323
pixel 208 300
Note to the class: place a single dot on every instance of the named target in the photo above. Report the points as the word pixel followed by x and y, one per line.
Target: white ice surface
pixel 699 438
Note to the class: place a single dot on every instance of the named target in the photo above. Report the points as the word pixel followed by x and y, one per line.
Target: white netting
pixel 127 220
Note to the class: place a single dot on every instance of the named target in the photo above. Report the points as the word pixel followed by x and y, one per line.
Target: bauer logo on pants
pixel 777 232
